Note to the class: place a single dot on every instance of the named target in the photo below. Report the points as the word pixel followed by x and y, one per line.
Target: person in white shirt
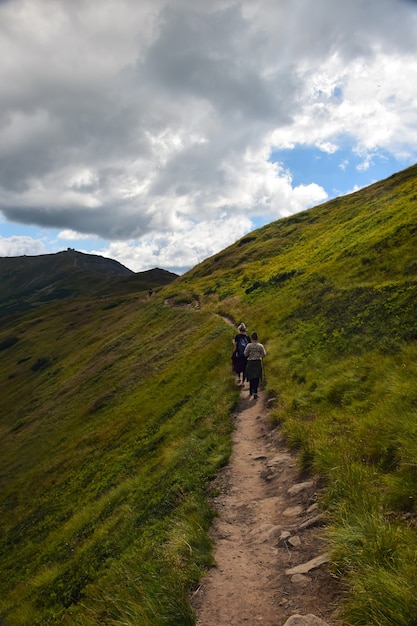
pixel 238 359
pixel 254 352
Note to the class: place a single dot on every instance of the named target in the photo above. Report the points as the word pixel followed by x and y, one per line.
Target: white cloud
pixel 178 251
pixel 71 235
pixel 19 246
pixel 372 102
pixel 136 121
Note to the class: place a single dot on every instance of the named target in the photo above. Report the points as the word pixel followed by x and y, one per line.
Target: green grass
pixel 108 452
pixel 332 294
pixel 115 415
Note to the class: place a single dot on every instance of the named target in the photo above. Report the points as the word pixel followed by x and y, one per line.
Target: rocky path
pixel 270 562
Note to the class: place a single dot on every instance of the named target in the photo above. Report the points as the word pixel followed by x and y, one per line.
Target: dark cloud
pixel 119 119
pixel 199 56
pixel 102 221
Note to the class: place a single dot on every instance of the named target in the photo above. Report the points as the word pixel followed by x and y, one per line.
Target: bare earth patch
pixel 268 524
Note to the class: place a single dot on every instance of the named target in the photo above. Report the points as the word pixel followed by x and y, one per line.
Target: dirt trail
pixel 268 522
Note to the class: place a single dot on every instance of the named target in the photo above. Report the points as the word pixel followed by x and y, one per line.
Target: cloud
pixel 148 122
pixel 178 251
pixel 71 235
pixel 19 246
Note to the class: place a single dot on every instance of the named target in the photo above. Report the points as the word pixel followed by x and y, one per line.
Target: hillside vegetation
pixel 115 415
pixel 27 281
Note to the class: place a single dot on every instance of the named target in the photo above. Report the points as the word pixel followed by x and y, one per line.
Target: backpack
pixel 242 342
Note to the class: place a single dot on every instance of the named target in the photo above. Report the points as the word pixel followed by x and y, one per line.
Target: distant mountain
pixel 29 280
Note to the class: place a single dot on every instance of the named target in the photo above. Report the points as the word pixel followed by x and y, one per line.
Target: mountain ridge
pixel 26 281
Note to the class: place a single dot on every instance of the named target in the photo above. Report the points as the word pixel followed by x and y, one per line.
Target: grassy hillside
pixel 332 292
pixel 112 421
pixel 115 414
pixel 28 281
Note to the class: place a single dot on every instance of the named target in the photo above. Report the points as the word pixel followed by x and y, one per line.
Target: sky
pixel 158 132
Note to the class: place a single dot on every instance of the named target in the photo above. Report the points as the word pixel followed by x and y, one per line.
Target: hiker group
pixel 247 359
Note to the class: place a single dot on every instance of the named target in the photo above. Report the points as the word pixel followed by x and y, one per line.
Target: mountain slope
pixel 332 292
pixel 115 415
pixel 30 280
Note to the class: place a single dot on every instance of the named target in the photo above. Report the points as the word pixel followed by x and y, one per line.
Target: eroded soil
pixel 268 523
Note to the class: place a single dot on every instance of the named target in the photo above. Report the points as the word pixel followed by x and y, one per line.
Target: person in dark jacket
pixel 240 342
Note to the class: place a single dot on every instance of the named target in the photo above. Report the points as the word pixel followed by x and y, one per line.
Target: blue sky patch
pixel 338 173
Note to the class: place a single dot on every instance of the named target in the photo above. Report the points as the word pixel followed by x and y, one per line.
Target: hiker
pixel 254 352
pixel 240 342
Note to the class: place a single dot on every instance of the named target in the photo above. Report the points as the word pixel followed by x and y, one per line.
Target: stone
pixel 304 568
pixel 265 533
pixel 267 474
pixel 293 510
pixel 295 541
pixel 279 459
pixel 317 520
pixel 301 580
pixel 304 620
pixel 299 487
